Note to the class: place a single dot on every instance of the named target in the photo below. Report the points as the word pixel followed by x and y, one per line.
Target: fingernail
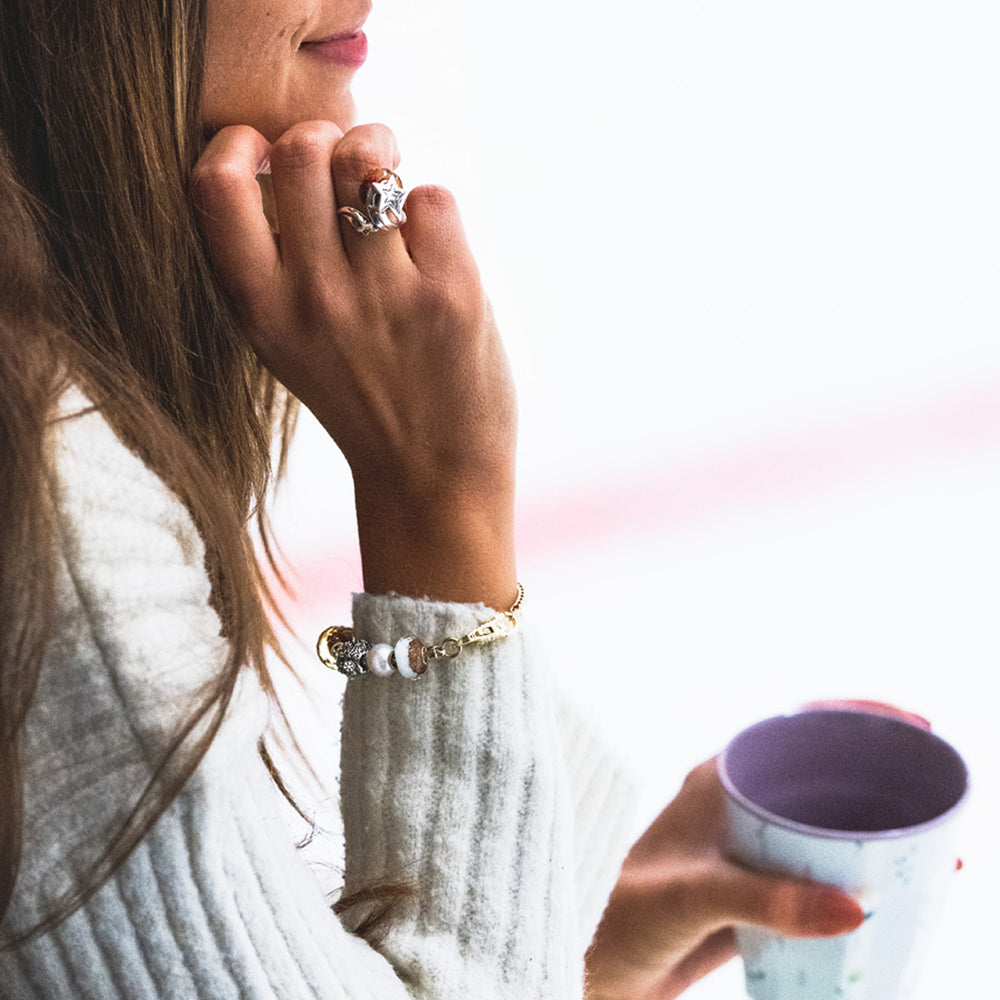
pixel 838 914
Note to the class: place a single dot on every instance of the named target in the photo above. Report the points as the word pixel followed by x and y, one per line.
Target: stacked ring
pixel 382 194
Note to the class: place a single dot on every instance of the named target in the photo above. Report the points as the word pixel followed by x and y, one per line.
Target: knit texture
pixel 461 782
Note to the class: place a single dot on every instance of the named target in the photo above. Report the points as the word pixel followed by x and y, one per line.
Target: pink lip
pixel 341 50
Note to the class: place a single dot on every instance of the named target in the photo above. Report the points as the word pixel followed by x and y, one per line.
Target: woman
pixel 148 305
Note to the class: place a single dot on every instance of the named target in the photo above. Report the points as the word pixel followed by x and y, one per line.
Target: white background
pixel 745 259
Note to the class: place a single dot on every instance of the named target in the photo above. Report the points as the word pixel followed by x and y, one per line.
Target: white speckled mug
pixel 857 800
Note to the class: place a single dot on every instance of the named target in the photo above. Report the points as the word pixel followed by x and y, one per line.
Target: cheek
pixel 239 91
pixel 255 75
pixel 247 58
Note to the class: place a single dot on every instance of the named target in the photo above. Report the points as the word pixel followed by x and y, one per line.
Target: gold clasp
pixel 496 628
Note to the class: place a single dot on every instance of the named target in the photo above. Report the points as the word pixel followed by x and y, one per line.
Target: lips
pixel 348 50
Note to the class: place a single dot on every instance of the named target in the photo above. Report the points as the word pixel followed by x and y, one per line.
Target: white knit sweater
pixel 462 782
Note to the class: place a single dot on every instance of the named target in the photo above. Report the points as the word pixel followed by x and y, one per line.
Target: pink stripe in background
pixel 667 499
pixel 670 498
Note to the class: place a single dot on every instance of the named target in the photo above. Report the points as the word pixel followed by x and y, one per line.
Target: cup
pixel 860 801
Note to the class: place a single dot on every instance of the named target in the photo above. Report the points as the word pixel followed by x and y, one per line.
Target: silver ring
pixel 383 196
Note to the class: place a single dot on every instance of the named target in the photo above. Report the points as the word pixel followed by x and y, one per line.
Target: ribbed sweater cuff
pixel 456 783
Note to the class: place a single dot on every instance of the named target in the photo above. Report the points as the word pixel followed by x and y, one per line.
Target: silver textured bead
pixel 350 657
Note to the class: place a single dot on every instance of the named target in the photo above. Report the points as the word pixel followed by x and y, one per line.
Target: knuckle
pixel 702 779
pixel 366 147
pixel 215 183
pixel 237 136
pixel 305 145
pixel 224 169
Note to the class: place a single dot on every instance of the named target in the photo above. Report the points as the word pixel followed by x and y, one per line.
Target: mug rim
pixel 831 833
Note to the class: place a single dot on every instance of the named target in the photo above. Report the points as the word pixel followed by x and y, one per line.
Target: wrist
pixel 450 544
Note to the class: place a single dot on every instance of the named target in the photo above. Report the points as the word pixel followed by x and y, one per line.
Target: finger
pixel 363 150
pixel 715 950
pixel 228 204
pixel 435 237
pixel 788 906
pixel 304 200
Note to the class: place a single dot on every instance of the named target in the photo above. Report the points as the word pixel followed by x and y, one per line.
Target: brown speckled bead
pixel 409 655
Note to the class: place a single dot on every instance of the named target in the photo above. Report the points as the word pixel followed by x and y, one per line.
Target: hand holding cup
pixel 856 799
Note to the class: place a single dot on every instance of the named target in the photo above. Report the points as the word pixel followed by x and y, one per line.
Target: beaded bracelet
pixel 340 649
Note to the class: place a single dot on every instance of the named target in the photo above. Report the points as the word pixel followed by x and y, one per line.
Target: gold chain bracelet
pixel 340 649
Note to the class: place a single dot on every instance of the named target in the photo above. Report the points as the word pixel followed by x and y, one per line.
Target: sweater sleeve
pixel 604 816
pixel 456 783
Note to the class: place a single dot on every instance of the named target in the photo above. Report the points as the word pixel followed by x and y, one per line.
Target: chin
pixel 274 121
pixel 341 111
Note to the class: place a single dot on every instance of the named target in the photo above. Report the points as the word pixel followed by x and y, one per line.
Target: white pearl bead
pixel 403 657
pixel 377 660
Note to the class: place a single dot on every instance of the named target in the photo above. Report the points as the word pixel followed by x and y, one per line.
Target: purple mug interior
pixel 844 772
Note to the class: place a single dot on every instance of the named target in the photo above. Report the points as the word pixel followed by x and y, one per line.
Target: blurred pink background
pixel 746 258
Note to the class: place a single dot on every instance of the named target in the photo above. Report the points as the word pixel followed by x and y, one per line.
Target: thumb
pixel 789 906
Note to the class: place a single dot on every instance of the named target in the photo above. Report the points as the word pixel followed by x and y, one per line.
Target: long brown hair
pixel 104 281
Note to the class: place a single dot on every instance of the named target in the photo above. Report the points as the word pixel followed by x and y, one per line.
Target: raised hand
pixel 388 339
